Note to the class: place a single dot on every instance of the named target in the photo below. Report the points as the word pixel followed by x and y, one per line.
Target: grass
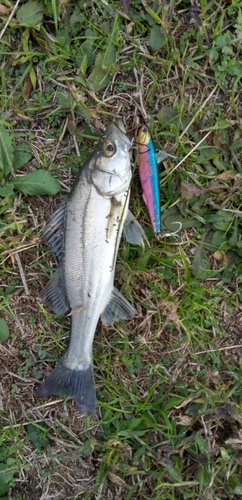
pixel 168 423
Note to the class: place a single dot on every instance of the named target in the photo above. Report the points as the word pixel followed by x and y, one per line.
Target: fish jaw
pixel 149 176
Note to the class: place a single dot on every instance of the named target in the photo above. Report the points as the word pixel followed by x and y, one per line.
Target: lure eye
pixel 109 148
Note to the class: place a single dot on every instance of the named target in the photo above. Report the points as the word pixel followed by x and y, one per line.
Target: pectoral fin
pixel 53 294
pixel 52 234
pixel 117 308
pixel 134 232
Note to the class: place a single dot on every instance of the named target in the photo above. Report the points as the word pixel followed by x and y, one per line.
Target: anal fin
pixel 117 308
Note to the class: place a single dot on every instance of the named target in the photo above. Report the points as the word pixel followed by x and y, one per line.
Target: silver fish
pixel 85 233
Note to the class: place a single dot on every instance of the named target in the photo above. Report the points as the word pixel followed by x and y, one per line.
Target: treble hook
pixel 166 235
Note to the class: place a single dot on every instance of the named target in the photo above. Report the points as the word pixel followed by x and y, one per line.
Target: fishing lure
pixel 149 176
pixel 163 155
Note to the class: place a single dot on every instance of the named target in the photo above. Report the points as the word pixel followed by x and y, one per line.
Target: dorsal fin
pixel 52 234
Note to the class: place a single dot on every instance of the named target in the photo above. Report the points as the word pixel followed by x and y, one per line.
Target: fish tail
pixel 79 384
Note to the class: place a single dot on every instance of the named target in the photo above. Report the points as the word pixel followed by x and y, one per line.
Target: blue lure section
pixel 154 176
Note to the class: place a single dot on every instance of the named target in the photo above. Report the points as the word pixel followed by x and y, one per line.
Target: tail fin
pixel 79 384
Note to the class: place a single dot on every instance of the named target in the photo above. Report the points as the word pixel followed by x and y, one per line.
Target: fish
pixel 84 233
pixel 149 176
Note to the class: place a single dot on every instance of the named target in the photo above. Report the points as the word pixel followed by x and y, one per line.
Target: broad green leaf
pixel 86 54
pixel 84 110
pixel 6 190
pixel 22 154
pixel 153 15
pixel 5 474
pixel 139 453
pixel 167 114
pixel 236 145
pixel 100 75
pixel 38 374
pixel 218 238
pixel 64 100
pixel 6 152
pixel 4 330
pixel 229 272
pixel 80 79
pixel 6 203
pixel 33 77
pixel 201 264
pixel 238 490
pixel 233 240
pixel 224 220
pixel 132 424
pixel 224 454
pixel 173 401
pixel 202 443
pixel 174 474
pixel 213 54
pixel 30 13
pixel 76 17
pixel 157 37
pixel 25 39
pixel 61 41
pixel 83 65
pixel 4 452
pixel 99 78
pixel 4 488
pixel 171 219
pixel 37 436
pixel 206 153
pixel 110 56
pixel 86 448
pixel 37 183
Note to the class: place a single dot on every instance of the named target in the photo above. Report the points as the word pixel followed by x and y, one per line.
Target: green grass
pixel 168 423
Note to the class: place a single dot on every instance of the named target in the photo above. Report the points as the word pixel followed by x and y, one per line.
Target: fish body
pixel 85 233
pixel 149 176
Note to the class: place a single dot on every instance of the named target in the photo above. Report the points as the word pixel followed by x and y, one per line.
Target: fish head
pixel 110 168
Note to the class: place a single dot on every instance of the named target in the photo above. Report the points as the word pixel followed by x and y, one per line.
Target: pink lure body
pixel 149 176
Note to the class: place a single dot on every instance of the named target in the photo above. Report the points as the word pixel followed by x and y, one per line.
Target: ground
pixel 168 419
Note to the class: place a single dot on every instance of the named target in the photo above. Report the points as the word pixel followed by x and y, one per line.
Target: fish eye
pixel 109 148
pixel 144 129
